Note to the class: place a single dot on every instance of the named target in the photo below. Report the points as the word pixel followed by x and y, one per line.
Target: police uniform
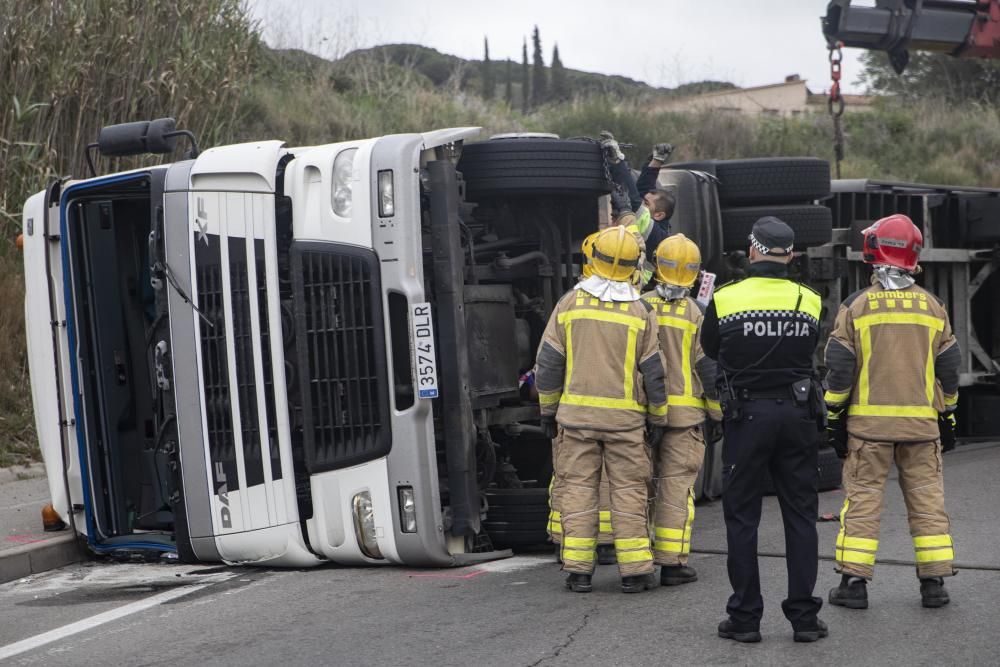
pixel 763 331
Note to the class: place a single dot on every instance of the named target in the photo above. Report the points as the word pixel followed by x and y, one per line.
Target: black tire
pixel 813 225
pixel 522 167
pixel 516 533
pixel 830 469
pixel 517 497
pixel 772 180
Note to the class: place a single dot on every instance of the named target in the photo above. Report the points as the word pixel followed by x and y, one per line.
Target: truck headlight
pixel 407 510
pixel 341 194
pixel 386 205
pixel 364 525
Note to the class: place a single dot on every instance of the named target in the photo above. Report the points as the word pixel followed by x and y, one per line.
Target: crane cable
pixel 835 104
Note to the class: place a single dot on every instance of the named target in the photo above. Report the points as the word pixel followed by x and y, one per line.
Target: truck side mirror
pixel 157 136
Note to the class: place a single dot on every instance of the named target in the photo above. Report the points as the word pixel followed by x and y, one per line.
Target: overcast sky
pixel 661 42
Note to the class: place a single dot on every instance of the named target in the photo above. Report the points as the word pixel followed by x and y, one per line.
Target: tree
pixel 487 72
pixel 525 79
pixel 934 75
pixel 539 78
pixel 560 86
pixel 509 85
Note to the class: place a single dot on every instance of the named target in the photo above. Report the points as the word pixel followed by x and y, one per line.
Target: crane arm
pixel 963 28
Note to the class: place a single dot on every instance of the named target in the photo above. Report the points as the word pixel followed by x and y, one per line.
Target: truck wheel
pixel 813 225
pixel 513 167
pixel 772 180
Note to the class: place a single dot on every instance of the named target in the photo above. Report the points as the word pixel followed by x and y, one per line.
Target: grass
pixel 68 67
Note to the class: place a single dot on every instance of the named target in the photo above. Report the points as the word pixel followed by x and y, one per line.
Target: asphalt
pixel 514 612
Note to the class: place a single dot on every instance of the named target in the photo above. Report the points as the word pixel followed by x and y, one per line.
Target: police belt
pixel 754 394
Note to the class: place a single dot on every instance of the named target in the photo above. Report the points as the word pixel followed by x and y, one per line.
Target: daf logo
pixel 202 221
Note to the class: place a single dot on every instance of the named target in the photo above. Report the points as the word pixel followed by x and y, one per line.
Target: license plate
pixel 424 357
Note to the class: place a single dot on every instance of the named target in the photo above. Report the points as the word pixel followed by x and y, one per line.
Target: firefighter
pixel 605 538
pixel 892 392
pixel 763 331
pixel 679 455
pixel 600 380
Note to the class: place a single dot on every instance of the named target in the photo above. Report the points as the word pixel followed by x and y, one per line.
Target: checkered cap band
pixel 761 248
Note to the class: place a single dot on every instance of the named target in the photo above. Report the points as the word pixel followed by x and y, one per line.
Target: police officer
pixel 763 331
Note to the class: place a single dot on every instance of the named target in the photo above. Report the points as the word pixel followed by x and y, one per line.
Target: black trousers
pixel 778 436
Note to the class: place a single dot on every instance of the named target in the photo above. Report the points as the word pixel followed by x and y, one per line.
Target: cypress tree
pixel 509 85
pixel 539 82
pixel 525 79
pixel 487 72
pixel 560 86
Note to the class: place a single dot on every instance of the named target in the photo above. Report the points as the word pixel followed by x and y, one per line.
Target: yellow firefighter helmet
pixel 587 248
pixel 615 254
pixel 678 261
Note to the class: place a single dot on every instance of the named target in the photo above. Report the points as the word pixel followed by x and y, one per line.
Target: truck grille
pixel 340 346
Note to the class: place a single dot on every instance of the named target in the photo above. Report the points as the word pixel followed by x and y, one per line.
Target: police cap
pixel 772 236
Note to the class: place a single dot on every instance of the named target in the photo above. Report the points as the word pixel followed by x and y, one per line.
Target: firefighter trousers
pixel 778 436
pixel 604 535
pixel 679 457
pixel 579 457
pixel 920 477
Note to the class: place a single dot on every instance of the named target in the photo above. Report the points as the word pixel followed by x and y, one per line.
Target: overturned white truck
pixel 288 356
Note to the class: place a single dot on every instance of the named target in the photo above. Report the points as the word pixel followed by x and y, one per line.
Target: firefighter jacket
pixel 763 330
pixel 894 362
pixel 690 374
pixel 599 365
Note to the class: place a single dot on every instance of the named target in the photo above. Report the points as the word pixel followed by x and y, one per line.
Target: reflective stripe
pixel 604 515
pixel 555 527
pixel 549 398
pixel 892 411
pixel 928 321
pixel 677 323
pixel 632 543
pixel 657 410
pixel 604 528
pixel 935 555
pixel 950 400
pixel 669 533
pixel 929 370
pixel 837 397
pixel 849 542
pixel 759 293
pixel 581 542
pixel 669 547
pixel 866 354
pixel 635 556
pixel 860 557
pixel 602 316
pixel 690 521
pixel 602 402
pixel 712 405
pixel 573 554
pixel 921 541
pixel 689 401
pixel 629 366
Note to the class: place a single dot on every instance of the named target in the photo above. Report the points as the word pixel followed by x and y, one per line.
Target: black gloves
pixel 549 427
pixel 655 434
pixel 713 431
pixel 946 426
pixel 620 202
pixel 836 430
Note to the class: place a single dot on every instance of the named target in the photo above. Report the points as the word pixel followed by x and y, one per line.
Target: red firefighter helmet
pixel 893 241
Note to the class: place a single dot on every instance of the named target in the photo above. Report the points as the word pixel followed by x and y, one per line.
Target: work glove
pixel 946 426
pixel 620 202
pixel 549 427
pixel 611 148
pixel 655 434
pixel 662 152
pixel 836 430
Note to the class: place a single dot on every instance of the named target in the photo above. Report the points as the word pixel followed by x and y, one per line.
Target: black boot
pixel 811 634
pixel 729 630
pixel 675 575
pixel 638 583
pixel 606 554
pixel 579 583
pixel 932 592
pixel 851 593
pixel 559 554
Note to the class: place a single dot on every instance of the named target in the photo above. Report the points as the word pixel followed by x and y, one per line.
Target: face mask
pixel 892 278
pixel 671 292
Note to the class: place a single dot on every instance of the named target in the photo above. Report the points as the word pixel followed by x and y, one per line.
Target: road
pixel 513 612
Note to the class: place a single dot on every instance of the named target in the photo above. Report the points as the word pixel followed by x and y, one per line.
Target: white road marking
pixel 37 641
pixel 514 564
